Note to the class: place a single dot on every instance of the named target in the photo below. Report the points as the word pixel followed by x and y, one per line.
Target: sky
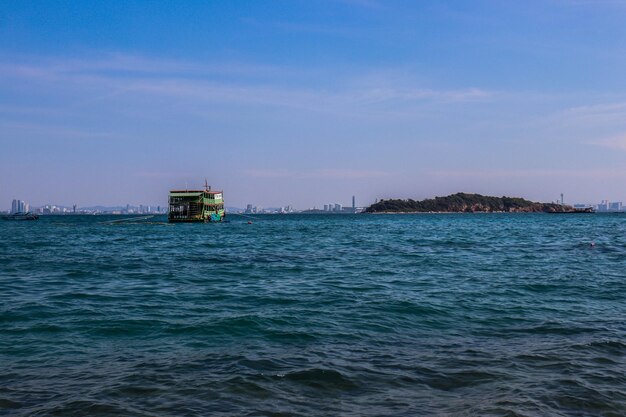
pixel 307 103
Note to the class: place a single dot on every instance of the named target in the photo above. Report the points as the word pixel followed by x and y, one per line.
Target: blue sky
pixel 306 103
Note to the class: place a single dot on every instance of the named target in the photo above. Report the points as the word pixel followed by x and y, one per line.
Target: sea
pixel 314 315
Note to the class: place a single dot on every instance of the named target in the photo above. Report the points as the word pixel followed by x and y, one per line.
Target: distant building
pixel 326 207
pixel 19 206
pixel 353 203
pixel 603 206
pixel 607 206
pixel 615 206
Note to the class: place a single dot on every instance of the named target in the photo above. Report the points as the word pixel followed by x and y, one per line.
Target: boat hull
pixel 21 218
pixel 193 221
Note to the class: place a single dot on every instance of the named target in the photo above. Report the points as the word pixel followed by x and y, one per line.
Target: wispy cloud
pixel 119 64
pixel 597 113
pixel 301 27
pixel 368 4
pixel 616 142
pixel 105 77
pixel 594 3
pixel 34 129
pixel 594 173
pixel 163 174
pixel 332 173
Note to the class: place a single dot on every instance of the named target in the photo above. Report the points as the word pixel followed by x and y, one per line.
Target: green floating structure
pixel 191 206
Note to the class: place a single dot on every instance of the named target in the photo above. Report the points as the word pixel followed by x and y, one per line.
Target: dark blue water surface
pixel 382 315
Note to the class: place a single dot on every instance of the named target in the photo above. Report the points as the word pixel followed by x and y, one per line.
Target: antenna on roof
pixel 206 185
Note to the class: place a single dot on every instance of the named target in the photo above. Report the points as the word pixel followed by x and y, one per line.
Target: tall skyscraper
pixel 19 206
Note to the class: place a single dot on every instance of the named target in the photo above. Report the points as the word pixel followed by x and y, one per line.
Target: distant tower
pixel 562 201
pixel 74 208
pixel 353 203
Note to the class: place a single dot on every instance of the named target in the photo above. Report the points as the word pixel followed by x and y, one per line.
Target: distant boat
pixel 21 216
pixel 196 205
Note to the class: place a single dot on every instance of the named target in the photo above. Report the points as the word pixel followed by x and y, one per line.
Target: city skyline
pixel 302 102
pixel 23 206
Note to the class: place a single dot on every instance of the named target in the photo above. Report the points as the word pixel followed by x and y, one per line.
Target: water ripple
pixel 468 315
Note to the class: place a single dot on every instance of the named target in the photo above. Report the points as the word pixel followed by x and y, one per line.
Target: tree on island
pixel 468 203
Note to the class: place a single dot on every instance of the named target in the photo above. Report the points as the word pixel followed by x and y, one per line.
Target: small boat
pixel 21 216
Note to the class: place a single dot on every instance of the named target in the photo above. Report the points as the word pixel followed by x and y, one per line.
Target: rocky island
pixel 470 203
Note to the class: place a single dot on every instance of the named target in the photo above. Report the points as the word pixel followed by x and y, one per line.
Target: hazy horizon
pixel 345 202
pixel 300 103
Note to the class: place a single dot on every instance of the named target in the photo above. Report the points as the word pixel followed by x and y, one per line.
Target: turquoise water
pixel 382 315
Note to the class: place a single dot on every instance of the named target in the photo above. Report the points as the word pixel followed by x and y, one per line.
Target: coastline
pixel 479 212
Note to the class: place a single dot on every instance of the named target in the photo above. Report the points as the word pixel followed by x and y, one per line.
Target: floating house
pixel 196 205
